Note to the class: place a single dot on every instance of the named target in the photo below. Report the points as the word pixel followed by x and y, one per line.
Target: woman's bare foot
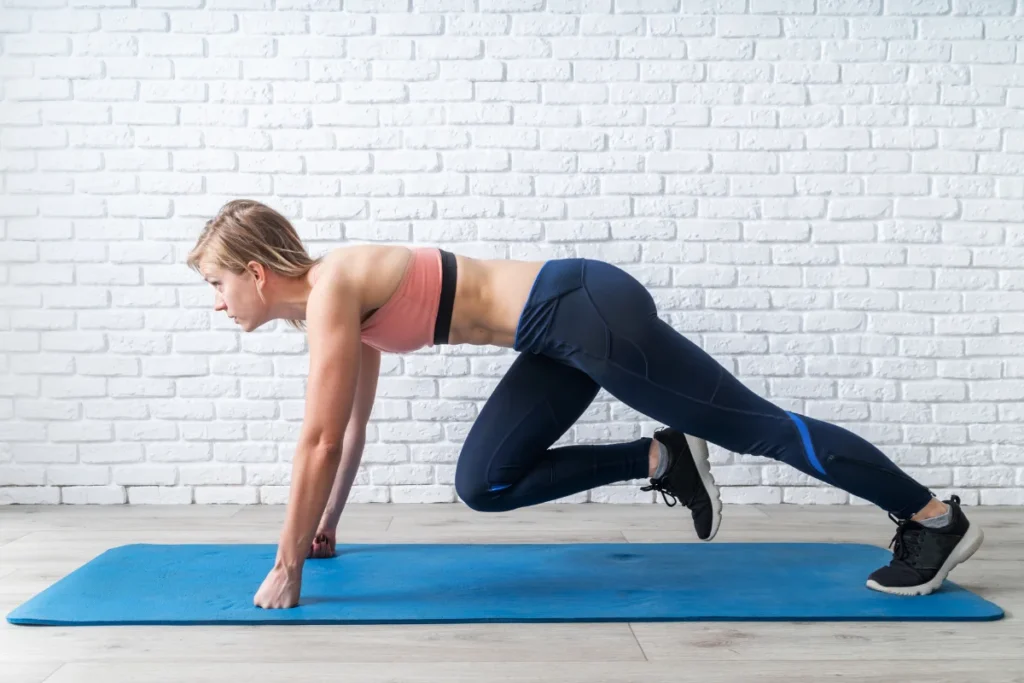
pixel 323 544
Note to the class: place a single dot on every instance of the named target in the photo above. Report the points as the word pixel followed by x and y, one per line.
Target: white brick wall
pixel 825 195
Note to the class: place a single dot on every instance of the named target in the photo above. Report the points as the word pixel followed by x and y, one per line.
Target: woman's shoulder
pixel 368 273
pixel 356 263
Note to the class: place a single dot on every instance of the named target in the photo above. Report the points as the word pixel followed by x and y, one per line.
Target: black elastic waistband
pixel 443 322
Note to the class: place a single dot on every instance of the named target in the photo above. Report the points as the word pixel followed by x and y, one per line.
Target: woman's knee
pixel 480 497
pixel 471 494
pixel 472 487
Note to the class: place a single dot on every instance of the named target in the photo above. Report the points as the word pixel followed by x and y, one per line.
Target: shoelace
pixel 656 485
pixel 906 541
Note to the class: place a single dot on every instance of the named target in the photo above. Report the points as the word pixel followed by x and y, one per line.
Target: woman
pixel 578 325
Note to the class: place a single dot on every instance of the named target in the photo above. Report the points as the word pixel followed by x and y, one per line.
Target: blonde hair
pixel 245 230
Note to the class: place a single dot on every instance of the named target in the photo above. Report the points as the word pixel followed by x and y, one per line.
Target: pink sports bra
pixel 406 322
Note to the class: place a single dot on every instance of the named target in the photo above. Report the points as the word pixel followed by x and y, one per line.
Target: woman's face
pixel 236 295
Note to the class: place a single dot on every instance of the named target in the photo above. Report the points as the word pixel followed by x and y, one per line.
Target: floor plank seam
pixel 54 672
pixel 638 643
pixel 16 538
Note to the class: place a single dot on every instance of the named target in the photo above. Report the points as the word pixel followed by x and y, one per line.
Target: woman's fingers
pixel 322 547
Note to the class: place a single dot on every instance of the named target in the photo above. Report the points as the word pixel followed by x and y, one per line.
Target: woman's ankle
pixel 934 508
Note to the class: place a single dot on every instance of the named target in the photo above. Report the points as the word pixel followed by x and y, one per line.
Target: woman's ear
pixel 259 276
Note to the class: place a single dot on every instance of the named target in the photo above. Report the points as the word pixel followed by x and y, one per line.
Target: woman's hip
pixel 576 304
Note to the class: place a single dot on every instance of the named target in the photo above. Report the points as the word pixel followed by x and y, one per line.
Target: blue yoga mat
pixel 437 583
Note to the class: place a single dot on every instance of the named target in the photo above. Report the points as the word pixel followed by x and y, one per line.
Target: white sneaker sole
pixel 967 546
pixel 699 449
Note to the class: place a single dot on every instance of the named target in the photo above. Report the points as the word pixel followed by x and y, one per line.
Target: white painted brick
pixel 78 475
pixel 93 495
pixel 620 495
pixel 29 495
pixel 1001 497
pixel 436 493
pixel 221 495
pixel 144 475
pixel 932 302
pixel 808 495
pixel 22 475
pixel 752 495
pixel 951 28
pixel 102 453
pixel 950 348
pixel 279 495
pixel 159 495
pixel 992 476
pixel 369 494
pixel 208 475
pixel 965 325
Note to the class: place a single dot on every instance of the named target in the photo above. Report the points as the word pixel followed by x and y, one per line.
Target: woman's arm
pixel 332 318
pixel 355 437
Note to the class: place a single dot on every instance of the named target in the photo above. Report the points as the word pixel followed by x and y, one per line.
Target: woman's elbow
pixel 322 445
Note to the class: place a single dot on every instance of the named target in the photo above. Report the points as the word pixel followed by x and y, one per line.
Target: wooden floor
pixel 38 545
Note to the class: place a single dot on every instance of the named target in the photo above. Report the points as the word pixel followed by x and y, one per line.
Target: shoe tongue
pixel 913 529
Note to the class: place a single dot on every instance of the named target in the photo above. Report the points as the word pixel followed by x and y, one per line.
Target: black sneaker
pixel 688 479
pixel 923 556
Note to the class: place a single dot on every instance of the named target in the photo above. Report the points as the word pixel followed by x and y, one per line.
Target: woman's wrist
pixel 289 565
pixel 290 556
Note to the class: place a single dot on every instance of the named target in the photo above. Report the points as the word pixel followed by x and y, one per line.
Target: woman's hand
pixel 280 589
pixel 323 545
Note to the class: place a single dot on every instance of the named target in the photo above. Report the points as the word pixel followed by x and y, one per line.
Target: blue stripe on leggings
pixel 499 487
pixel 808 446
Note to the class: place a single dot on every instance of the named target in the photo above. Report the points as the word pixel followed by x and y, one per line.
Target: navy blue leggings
pixel 588 324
